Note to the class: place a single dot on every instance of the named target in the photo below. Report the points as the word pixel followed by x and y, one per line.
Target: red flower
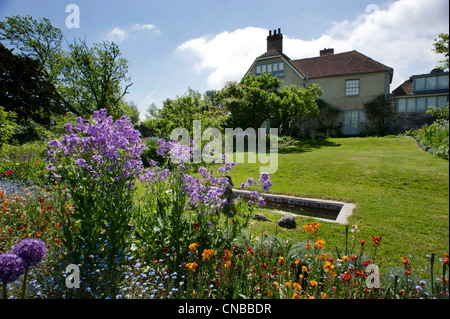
pixel 345 276
pixel 376 240
pixel 363 242
pixel 196 226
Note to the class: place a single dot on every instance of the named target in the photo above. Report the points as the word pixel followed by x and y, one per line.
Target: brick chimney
pixel 326 52
pixel 275 41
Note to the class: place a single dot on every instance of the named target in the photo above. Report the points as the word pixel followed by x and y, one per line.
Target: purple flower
pixel 11 267
pixel 32 251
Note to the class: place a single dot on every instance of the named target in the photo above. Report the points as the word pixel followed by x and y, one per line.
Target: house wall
pixel 370 85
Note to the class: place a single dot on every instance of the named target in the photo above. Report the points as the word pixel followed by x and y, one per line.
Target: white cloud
pixel 144 27
pixel 228 55
pixel 117 35
pixel 400 36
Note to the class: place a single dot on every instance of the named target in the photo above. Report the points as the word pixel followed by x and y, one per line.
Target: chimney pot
pixel 275 41
pixel 326 52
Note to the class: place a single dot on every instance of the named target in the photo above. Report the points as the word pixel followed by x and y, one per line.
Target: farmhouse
pixel 348 80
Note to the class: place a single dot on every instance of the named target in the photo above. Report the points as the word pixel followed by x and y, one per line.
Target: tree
pixel 36 39
pixel 181 113
pixel 92 77
pixel 25 90
pixel 7 125
pixel 258 98
pixel 87 78
pixel 297 102
pixel 252 100
pixel 441 46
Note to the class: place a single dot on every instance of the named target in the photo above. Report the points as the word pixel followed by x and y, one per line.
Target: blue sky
pixel 172 45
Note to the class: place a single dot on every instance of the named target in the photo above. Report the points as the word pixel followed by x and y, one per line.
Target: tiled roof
pixel 351 62
pixel 404 89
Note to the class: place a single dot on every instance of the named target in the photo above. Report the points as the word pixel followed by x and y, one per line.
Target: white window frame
pixel 352 87
pixel 276 69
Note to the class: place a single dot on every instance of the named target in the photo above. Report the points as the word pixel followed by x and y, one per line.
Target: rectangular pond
pixel 327 210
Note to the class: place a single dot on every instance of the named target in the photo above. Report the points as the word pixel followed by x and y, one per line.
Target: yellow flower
pixel 281 260
pixel 207 254
pixel 192 266
pixel 193 248
pixel 328 266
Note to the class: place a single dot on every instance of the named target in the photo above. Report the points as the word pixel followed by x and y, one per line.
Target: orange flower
pixel 207 254
pixel 308 246
pixel 311 227
pixel 193 248
pixel 192 266
pixel 319 243
pixel 445 259
pixel 281 260
pixel 406 261
pixel 304 268
pixel 295 296
pixel 297 286
pixel 313 283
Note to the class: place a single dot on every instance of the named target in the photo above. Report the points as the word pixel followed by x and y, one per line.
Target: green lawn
pixel 401 193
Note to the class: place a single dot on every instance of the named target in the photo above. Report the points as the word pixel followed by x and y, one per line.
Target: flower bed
pixel 182 237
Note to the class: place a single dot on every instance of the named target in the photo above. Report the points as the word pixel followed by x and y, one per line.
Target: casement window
pixel 276 69
pixel 352 87
pixel 420 104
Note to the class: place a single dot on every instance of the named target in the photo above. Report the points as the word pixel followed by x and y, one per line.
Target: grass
pixel 401 193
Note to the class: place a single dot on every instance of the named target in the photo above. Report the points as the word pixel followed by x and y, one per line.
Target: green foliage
pixel 252 100
pixel 7 125
pixel 377 116
pixel 327 118
pixel 257 98
pixel 24 163
pixel 86 78
pixel 36 39
pixel 92 76
pixel 36 98
pixel 181 112
pixel 434 138
pixel 441 47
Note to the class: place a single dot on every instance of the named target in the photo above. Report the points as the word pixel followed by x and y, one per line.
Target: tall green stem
pixel 24 285
pixel 4 291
